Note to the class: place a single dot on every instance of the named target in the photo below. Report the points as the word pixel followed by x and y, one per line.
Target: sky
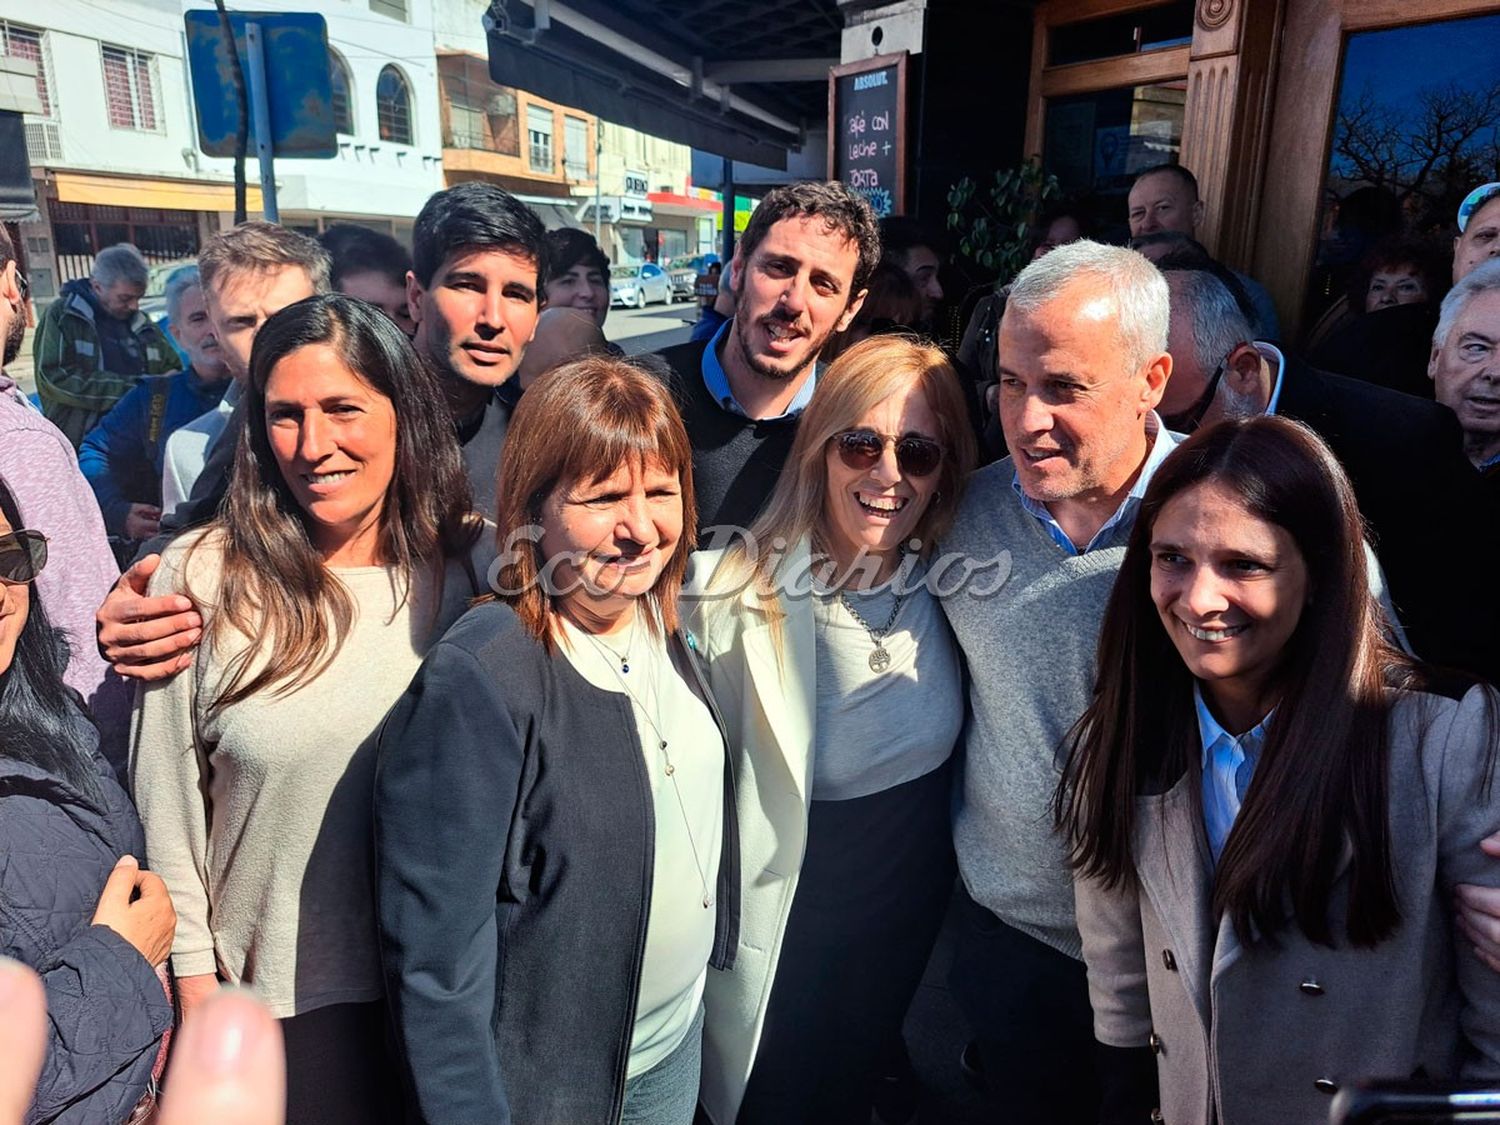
pixel 1399 62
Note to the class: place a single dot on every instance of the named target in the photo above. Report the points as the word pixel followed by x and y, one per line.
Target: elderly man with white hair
pixel 123 456
pixel 1465 364
pixel 1082 363
pixel 93 343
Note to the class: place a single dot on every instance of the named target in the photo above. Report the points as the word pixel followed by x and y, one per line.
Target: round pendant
pixel 623 666
pixel 880 660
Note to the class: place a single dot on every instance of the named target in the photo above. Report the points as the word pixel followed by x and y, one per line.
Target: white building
pixel 114 150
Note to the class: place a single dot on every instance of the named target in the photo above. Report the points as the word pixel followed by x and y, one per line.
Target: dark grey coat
pixel 514 848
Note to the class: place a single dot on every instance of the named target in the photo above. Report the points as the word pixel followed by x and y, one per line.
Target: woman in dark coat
pixel 68 838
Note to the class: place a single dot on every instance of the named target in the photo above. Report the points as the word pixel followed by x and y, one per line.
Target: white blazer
pixel 768 698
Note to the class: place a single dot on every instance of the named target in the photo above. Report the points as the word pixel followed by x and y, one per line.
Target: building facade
pixel 114 150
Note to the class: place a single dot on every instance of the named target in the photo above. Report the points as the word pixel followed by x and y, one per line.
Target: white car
pixel 638 286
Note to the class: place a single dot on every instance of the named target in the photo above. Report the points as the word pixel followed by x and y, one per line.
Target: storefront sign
pixel 867 124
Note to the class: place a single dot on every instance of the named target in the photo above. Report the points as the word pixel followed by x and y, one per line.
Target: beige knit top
pixel 258 817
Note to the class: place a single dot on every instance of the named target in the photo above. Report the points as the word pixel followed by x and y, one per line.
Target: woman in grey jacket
pixel 555 830
pixel 1269 807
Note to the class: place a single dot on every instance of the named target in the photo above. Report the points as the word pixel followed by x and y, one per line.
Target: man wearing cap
pixel 1478 230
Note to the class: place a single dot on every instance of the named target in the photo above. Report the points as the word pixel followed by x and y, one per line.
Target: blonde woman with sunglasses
pixel 841 691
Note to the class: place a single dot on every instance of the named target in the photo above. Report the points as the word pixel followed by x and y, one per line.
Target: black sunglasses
pixel 915 456
pixel 23 554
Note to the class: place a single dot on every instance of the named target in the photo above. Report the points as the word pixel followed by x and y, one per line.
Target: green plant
pixel 992 227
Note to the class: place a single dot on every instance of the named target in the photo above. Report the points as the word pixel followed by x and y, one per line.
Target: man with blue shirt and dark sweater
pixel 799 276
pixel 1082 363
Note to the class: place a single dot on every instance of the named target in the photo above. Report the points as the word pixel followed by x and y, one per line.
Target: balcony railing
pixel 478 139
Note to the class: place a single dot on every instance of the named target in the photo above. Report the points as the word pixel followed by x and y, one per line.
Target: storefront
pixel 1265 101
pixel 78 214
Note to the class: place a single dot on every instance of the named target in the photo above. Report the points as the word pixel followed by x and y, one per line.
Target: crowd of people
pixel 550 736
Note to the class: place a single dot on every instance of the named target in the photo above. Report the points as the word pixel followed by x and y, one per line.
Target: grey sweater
pixel 1030 651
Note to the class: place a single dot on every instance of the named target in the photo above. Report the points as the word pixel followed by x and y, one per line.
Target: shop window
pixel 575 148
pixel 539 139
pixel 342 99
pixel 1166 25
pixel 27 43
pixel 129 88
pixel 81 230
pixel 1415 128
pixel 393 106
pixel 1095 144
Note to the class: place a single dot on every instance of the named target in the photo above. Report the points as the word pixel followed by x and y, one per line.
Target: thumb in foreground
pixel 229 1067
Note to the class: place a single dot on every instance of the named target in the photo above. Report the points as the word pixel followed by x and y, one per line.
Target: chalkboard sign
pixel 867 130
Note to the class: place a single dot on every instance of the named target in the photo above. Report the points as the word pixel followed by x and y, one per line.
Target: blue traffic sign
pixel 298 88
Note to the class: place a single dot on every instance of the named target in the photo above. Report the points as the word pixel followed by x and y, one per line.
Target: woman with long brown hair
pixel 1268 806
pixel 343 551
pixel 554 819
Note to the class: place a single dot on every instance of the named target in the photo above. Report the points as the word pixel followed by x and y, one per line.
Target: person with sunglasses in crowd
pixel 823 641
pixel 74 902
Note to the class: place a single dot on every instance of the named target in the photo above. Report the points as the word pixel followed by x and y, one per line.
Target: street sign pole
pixel 261 113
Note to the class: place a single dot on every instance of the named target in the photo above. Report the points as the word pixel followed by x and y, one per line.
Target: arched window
pixel 343 100
pixel 393 106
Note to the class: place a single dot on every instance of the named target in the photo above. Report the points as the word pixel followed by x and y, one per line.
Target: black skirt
pixel 874 885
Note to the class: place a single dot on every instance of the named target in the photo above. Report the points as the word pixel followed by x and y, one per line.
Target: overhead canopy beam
pixel 770 70
pixel 609 69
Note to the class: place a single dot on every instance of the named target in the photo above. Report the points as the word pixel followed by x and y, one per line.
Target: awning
pixel 130 191
pixel 554 215
pixel 715 76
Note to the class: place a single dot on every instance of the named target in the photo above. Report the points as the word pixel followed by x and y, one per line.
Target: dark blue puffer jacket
pixel 105 1005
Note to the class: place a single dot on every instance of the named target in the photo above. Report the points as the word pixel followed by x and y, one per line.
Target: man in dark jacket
pixel 93 343
pixel 1433 527
pixel 799 276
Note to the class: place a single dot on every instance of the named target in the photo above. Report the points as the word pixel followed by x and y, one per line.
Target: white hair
pixel 121 262
pixel 1139 291
pixel 179 283
pixel 1483 279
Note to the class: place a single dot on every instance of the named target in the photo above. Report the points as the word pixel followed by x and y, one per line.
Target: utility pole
pixel 242 128
pixel 598 202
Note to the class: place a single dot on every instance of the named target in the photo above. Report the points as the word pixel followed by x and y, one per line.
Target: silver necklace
pixel 880 659
pixel 662 746
pixel 622 657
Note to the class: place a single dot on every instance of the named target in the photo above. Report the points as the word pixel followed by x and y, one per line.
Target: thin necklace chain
pixel 671 771
pixel 622 657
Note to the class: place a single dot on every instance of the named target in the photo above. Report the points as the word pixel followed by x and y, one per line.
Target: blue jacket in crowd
pixel 122 456
pixel 106 1009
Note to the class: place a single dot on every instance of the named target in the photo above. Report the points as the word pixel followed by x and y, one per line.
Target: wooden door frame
pixel 1309 70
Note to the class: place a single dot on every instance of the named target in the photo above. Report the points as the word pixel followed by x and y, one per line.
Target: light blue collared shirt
pixel 1228 764
pixel 1162 443
pixel 716 379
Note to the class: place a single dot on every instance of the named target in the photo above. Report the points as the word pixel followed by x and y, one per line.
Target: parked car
pixel 638 286
pixel 685 271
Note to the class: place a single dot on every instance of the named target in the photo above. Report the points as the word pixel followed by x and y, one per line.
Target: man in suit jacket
pixel 1434 526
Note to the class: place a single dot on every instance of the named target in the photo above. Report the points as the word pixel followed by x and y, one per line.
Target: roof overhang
pixel 609 58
